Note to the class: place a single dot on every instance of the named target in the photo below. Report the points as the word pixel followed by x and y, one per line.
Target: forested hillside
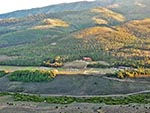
pixel 114 31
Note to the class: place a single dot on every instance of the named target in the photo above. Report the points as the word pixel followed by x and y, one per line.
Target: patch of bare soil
pixel 4 57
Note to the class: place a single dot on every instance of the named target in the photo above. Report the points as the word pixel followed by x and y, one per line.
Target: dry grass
pixel 140 28
pixel 94 31
pixel 145 21
pixel 135 33
pixel 99 20
pixel 108 13
pixel 50 23
pixel 109 38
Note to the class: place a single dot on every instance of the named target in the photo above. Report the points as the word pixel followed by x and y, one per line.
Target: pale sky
pixel 12 5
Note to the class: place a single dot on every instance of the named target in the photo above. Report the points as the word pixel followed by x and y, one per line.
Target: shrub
pixel 3 73
pixel 32 76
pixel 133 73
pixel 118 100
pixel 98 65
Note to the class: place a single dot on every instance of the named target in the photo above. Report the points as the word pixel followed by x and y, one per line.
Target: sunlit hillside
pixel 50 23
pixel 108 13
pixel 113 31
pixel 129 41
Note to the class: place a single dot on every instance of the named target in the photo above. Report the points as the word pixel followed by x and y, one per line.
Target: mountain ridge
pixel 75 6
pixel 128 6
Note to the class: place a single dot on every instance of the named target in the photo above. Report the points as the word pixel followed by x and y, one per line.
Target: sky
pixel 12 5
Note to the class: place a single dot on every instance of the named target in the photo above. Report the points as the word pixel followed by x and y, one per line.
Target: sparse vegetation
pixel 122 100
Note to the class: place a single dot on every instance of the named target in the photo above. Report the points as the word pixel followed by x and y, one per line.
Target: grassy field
pixel 64 71
pixel 13 68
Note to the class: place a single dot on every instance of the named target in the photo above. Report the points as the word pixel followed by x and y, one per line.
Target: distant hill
pixel 127 7
pixel 77 6
pixel 114 31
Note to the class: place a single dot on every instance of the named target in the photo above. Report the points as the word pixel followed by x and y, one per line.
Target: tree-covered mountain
pixel 114 31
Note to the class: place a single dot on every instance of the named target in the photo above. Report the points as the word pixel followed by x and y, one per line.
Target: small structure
pixel 88 59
